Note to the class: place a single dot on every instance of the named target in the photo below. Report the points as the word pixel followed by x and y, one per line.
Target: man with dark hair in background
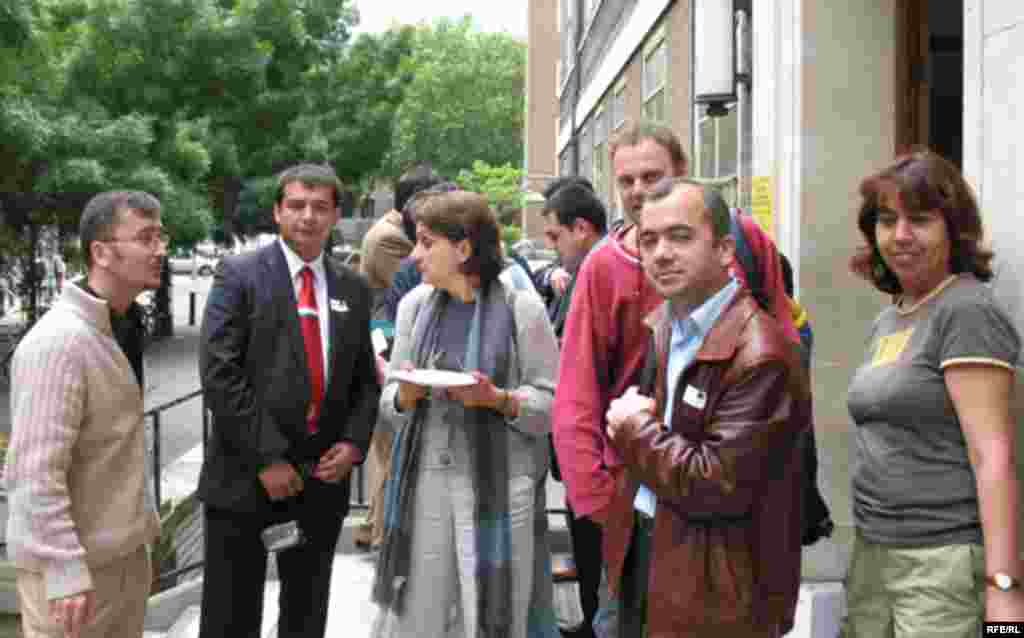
pixel 575 220
pixel 552 280
pixel 386 244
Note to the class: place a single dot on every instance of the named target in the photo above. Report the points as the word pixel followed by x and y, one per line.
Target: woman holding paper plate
pixel 468 394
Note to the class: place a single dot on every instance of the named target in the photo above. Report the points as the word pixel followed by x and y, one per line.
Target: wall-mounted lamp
pixel 719 52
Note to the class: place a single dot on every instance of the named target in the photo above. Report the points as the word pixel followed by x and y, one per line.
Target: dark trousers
pixel 587 554
pixel 635 573
pixel 235 572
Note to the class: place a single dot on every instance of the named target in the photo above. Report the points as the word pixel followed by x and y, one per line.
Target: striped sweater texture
pixel 75 463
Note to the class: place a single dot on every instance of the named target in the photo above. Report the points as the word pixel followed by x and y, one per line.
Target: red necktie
pixel 309 319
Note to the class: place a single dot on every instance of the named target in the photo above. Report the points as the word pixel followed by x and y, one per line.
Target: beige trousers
pixel 121 586
pixel 905 592
pixel 378 467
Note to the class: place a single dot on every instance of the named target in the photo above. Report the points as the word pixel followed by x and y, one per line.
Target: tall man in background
pixel 604 342
pixel 289 374
pixel 80 516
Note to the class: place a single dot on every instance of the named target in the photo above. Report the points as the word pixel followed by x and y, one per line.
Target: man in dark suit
pixel 289 373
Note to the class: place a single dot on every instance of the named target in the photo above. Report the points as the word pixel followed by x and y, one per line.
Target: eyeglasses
pixel 152 240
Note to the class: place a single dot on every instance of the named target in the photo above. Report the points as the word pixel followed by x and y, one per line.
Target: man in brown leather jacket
pixel 704 530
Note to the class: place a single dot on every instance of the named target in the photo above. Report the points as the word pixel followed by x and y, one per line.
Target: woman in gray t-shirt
pixel 935 495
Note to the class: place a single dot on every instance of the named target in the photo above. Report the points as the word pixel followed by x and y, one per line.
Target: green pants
pixel 911 592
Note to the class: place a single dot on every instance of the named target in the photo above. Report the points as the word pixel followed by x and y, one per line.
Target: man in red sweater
pixel 604 343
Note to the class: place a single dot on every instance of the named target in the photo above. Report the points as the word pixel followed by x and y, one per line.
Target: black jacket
pixel 256 384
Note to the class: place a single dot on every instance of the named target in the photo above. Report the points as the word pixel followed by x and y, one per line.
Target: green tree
pixel 244 88
pixel 501 185
pixel 67 143
pixel 465 101
pixel 361 96
pixel 57 150
pixel 348 123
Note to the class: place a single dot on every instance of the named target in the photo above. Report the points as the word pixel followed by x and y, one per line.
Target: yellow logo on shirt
pixel 890 346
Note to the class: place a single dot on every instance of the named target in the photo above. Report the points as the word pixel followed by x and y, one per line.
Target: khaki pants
pixel 905 592
pixel 378 466
pixel 121 586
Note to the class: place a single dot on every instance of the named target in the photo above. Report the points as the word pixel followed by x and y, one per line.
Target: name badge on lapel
pixel 339 305
pixel 379 341
pixel 695 398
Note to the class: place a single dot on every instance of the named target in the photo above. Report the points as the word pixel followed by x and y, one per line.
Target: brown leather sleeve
pixel 749 430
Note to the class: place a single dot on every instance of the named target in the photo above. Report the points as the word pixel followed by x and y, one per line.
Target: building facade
pixel 828 92
pixel 602 62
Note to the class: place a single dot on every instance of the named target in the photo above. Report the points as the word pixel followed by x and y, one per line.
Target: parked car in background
pixel 192 262
pixel 533 249
pixel 535 252
pixel 347 254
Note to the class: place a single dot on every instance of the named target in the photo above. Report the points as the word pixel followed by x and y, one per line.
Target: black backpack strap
pixel 648 375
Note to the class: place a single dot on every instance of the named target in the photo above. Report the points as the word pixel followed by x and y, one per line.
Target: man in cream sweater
pixel 80 520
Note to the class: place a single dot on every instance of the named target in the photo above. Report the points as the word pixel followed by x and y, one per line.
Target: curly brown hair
pixel 926 181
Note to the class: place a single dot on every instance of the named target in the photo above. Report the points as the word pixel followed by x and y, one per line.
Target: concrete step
pixel 187 625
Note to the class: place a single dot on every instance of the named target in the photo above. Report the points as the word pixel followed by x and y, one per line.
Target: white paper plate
pixel 435 378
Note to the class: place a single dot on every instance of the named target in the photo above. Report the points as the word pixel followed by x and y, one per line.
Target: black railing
pixel 155 413
pixel 359 502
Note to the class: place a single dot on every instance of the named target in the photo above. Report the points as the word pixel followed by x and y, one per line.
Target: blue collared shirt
pixel 687 337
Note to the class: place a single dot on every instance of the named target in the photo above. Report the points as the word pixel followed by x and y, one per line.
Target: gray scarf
pixel 491 340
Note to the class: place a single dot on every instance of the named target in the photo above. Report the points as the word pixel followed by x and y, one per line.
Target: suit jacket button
pixel 446 459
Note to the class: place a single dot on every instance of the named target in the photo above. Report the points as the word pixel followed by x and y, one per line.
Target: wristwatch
pixel 1003 582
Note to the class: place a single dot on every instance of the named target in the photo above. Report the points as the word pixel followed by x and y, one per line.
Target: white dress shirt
pixel 295 264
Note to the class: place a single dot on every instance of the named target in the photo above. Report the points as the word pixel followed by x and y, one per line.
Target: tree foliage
pixel 347 122
pixel 63 144
pixel 202 102
pixel 501 185
pixel 465 101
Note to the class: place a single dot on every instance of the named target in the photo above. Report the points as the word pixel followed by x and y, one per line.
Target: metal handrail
pixel 155 414
pixel 358 503
pixel 180 571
